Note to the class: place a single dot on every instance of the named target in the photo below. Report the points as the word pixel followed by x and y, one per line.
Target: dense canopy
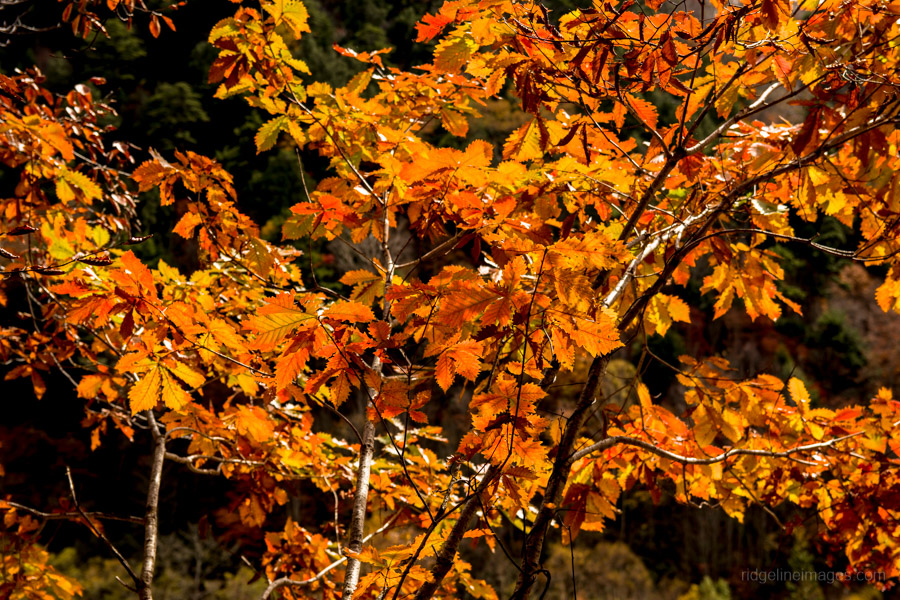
pixel 458 377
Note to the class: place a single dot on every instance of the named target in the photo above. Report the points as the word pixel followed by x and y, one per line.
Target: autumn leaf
pixel 277 319
pixel 462 306
pixel 782 69
pixel 268 133
pixel 431 25
pixel 350 311
pixel 453 53
pixel 292 12
pixel 524 143
pixel 254 422
pixel 454 122
pixel 87 187
pixel 799 394
pixel 172 394
pixel 138 279
pixel 644 111
pixel 289 366
pixel 186 374
pixel 460 359
pixel 145 393
pixel 367 286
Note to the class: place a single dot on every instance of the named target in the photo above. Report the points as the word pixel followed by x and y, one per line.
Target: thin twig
pixel 53 516
pixel 99 533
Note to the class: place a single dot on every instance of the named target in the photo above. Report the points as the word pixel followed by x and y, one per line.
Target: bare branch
pixel 283 581
pixel 446 244
pixel 68 516
pixel 691 460
pixel 189 463
pixel 99 533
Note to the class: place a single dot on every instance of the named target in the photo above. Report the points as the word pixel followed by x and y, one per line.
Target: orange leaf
pixel 524 143
pixel 782 68
pixel 350 311
pixel 274 321
pixel 139 274
pixel 644 110
pixel 255 423
pixel 462 359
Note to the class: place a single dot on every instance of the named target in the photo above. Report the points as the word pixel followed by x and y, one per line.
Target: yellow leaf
pixel 732 425
pixel 704 430
pixel 64 191
pixel 367 286
pixel 89 189
pixel 799 394
pixel 524 143
pixel 185 373
pixel 145 393
pixel 173 395
pixel 454 122
pixel 726 101
pixel 225 334
pixel 644 395
pixel 453 53
pixel 277 319
pixel 290 12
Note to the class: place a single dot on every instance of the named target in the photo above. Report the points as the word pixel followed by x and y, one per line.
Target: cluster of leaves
pixel 580 239
pixel 25 571
pixel 86 17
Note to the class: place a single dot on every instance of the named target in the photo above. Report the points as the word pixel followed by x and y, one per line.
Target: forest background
pixel 840 347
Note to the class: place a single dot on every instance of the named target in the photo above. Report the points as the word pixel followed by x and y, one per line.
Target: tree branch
pixel 56 516
pixel 691 460
pixel 151 515
pixel 358 519
pixel 99 533
pixel 447 554
pixel 534 541
pixel 283 581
